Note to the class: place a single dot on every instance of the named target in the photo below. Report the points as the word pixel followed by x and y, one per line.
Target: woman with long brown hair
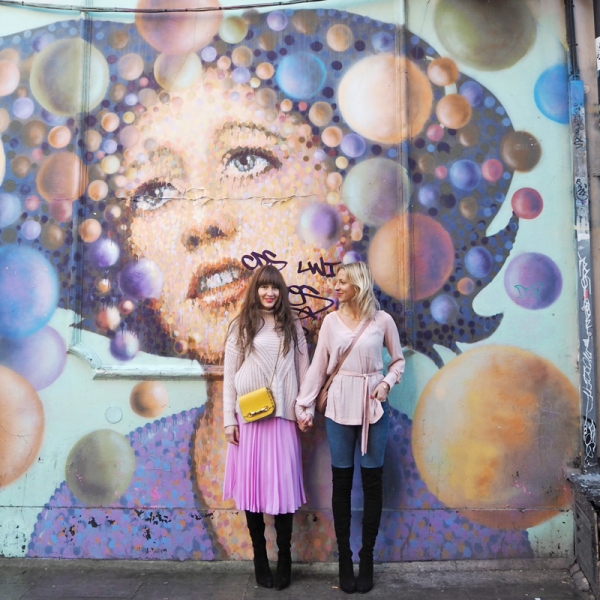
pixel 263 474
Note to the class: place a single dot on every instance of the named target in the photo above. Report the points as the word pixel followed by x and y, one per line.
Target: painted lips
pixel 219 284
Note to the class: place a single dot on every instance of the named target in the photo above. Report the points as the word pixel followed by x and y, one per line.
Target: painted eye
pixel 153 194
pixel 249 162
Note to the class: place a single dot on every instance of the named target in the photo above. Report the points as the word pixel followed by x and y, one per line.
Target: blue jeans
pixel 343 439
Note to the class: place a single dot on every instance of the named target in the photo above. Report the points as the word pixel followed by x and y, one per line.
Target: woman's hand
pixel 381 392
pixel 232 433
pixel 306 423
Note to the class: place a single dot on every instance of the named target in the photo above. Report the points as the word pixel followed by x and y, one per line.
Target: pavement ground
pixel 36 579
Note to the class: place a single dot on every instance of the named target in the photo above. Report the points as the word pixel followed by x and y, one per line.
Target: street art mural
pixel 148 165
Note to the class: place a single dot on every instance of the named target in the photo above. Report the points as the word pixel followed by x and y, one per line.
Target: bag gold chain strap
pixel 260 403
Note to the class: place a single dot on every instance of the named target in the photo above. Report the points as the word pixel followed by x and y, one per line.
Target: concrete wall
pixel 146 172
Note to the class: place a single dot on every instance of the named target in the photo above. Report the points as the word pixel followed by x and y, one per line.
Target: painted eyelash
pixel 245 160
pixel 153 194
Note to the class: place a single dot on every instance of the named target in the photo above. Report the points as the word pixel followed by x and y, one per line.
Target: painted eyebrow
pixel 253 127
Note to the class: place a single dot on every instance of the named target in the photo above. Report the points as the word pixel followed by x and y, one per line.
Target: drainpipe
pixel 581 198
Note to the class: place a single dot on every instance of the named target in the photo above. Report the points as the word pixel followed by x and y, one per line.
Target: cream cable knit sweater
pixel 244 375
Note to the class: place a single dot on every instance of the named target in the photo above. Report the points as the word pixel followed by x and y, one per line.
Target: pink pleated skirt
pixel 264 473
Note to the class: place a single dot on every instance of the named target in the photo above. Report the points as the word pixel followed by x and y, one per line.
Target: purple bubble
pixel 351 257
pixel 465 175
pixel 208 54
pixel 320 155
pixel 241 75
pixel 479 262
pixel 103 253
pixel 52 119
pixel 40 358
pixel 353 145
pixel 42 40
pixel 109 146
pixel 429 196
pixel 28 291
pixel 131 99
pixel 277 20
pixel 444 309
pixel 383 42
pixel 31 229
pixel 533 281
pixel 320 224
pixel 141 279
pixel 125 345
pixel 472 91
pixel 23 108
pixel 10 209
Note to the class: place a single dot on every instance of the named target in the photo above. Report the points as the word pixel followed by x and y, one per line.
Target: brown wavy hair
pixel 250 320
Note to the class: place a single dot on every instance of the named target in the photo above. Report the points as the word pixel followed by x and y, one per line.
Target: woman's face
pixel 218 188
pixel 268 296
pixel 344 290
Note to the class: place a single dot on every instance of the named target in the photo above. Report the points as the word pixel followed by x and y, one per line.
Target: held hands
pixel 232 433
pixel 305 424
pixel 381 391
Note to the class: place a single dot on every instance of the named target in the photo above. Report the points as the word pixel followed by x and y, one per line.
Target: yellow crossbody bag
pixel 259 403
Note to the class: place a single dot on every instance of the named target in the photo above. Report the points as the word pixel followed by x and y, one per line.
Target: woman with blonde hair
pixel 263 473
pixel 357 408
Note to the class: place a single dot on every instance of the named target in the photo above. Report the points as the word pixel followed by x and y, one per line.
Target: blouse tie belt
pixel 371 411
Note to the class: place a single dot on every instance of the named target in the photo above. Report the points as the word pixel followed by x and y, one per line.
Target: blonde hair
pixel 360 276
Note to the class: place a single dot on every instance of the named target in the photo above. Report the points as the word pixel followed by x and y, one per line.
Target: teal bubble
pixel 300 76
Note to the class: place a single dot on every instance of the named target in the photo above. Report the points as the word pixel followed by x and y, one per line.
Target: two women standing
pixel 357 411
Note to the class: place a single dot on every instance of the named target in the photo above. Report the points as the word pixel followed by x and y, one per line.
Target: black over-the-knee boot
pixel 372 482
pixel 262 571
pixel 283 527
pixel 342 514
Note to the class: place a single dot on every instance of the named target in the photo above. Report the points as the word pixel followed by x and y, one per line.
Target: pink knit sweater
pixel 244 375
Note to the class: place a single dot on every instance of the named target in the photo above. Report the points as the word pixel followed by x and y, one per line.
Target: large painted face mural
pixel 148 167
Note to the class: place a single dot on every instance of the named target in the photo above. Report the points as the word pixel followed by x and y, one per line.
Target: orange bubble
pixel 92 140
pixel 149 399
pixel 339 37
pixel 224 63
pixel 320 113
pixel 110 121
pixel 129 136
pixel 61 176
pixel 178 33
pixel 332 137
pixel 103 285
pixel 11 55
pixel 466 286
pixel 33 133
pixel 90 230
pixel 242 56
pixel 59 136
pixel 265 70
pixel 442 71
pixel 266 98
pixel 22 429
pixel 118 39
pixel 468 208
pixel 117 92
pixel 426 163
pixel 20 166
pixel 97 190
pixel 334 181
pixel 130 66
pixel 4 120
pixel 286 105
pixel 9 77
pixel 126 307
pixel 453 111
pixel 52 236
pixel 267 41
pixel 468 136
pixel 108 318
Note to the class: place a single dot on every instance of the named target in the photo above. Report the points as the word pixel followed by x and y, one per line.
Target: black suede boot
pixel 283 527
pixel 262 571
pixel 342 514
pixel 372 482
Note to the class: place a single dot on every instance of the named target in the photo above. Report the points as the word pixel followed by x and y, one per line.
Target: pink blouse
pixel 349 401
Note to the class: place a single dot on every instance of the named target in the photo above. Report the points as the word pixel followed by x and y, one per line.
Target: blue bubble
pixel 465 175
pixel 277 20
pixel 383 42
pixel 489 101
pixel 472 91
pixel 551 95
pixel 479 262
pixel 241 75
pixel 300 75
pixel 109 146
pixel 10 209
pixel 429 196
pixel 28 291
pixel 444 309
